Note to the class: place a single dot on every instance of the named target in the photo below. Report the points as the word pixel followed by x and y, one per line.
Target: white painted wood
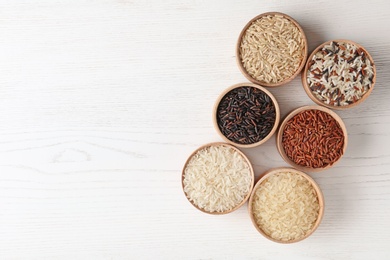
pixel 102 101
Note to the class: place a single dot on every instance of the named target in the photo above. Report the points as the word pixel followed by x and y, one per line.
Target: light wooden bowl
pixel 309 91
pixel 291 115
pixel 238 55
pixel 277 113
pixel 320 197
pixel 250 168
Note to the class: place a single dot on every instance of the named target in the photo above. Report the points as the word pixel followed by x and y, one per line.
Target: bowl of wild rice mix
pixel 217 178
pixel 312 138
pixel 339 74
pixel 271 49
pixel 286 205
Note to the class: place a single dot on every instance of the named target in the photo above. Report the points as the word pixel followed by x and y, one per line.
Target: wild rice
pixel 272 49
pixel 340 74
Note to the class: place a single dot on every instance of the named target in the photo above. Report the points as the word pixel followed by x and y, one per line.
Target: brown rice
pixel 272 49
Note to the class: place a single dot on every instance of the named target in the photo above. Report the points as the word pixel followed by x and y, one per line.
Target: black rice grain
pixel 246 115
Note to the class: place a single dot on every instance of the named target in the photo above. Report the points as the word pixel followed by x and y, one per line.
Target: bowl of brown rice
pixel 271 49
pixel 286 205
pixel 339 74
pixel 312 138
pixel 217 178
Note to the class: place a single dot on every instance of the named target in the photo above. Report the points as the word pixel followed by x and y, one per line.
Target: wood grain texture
pixel 102 102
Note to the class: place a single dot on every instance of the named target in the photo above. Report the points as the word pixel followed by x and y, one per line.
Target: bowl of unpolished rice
pixel 217 178
pixel 339 74
pixel 271 49
pixel 286 205
pixel 312 138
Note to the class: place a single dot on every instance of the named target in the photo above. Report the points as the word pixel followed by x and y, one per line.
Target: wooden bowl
pixel 321 103
pixel 273 130
pixel 291 115
pixel 247 161
pixel 320 197
pixel 238 55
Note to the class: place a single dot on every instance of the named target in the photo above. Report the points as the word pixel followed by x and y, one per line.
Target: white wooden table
pixel 102 101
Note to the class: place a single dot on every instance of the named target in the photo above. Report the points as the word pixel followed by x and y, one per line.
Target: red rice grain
pixel 313 139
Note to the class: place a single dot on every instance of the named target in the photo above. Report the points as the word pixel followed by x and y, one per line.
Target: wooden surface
pixel 103 101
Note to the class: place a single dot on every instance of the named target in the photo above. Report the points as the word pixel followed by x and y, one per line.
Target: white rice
pixel 285 206
pixel 217 178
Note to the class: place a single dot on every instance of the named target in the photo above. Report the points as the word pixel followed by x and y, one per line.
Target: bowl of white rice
pixel 286 205
pixel 217 178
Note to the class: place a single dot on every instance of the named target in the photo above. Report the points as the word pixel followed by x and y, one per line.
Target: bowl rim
pixel 245 158
pixel 291 115
pixel 316 187
pixel 239 85
pixel 238 55
pixel 309 91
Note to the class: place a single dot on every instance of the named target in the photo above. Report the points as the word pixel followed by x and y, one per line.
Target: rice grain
pixel 217 178
pixel 285 206
pixel 272 49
